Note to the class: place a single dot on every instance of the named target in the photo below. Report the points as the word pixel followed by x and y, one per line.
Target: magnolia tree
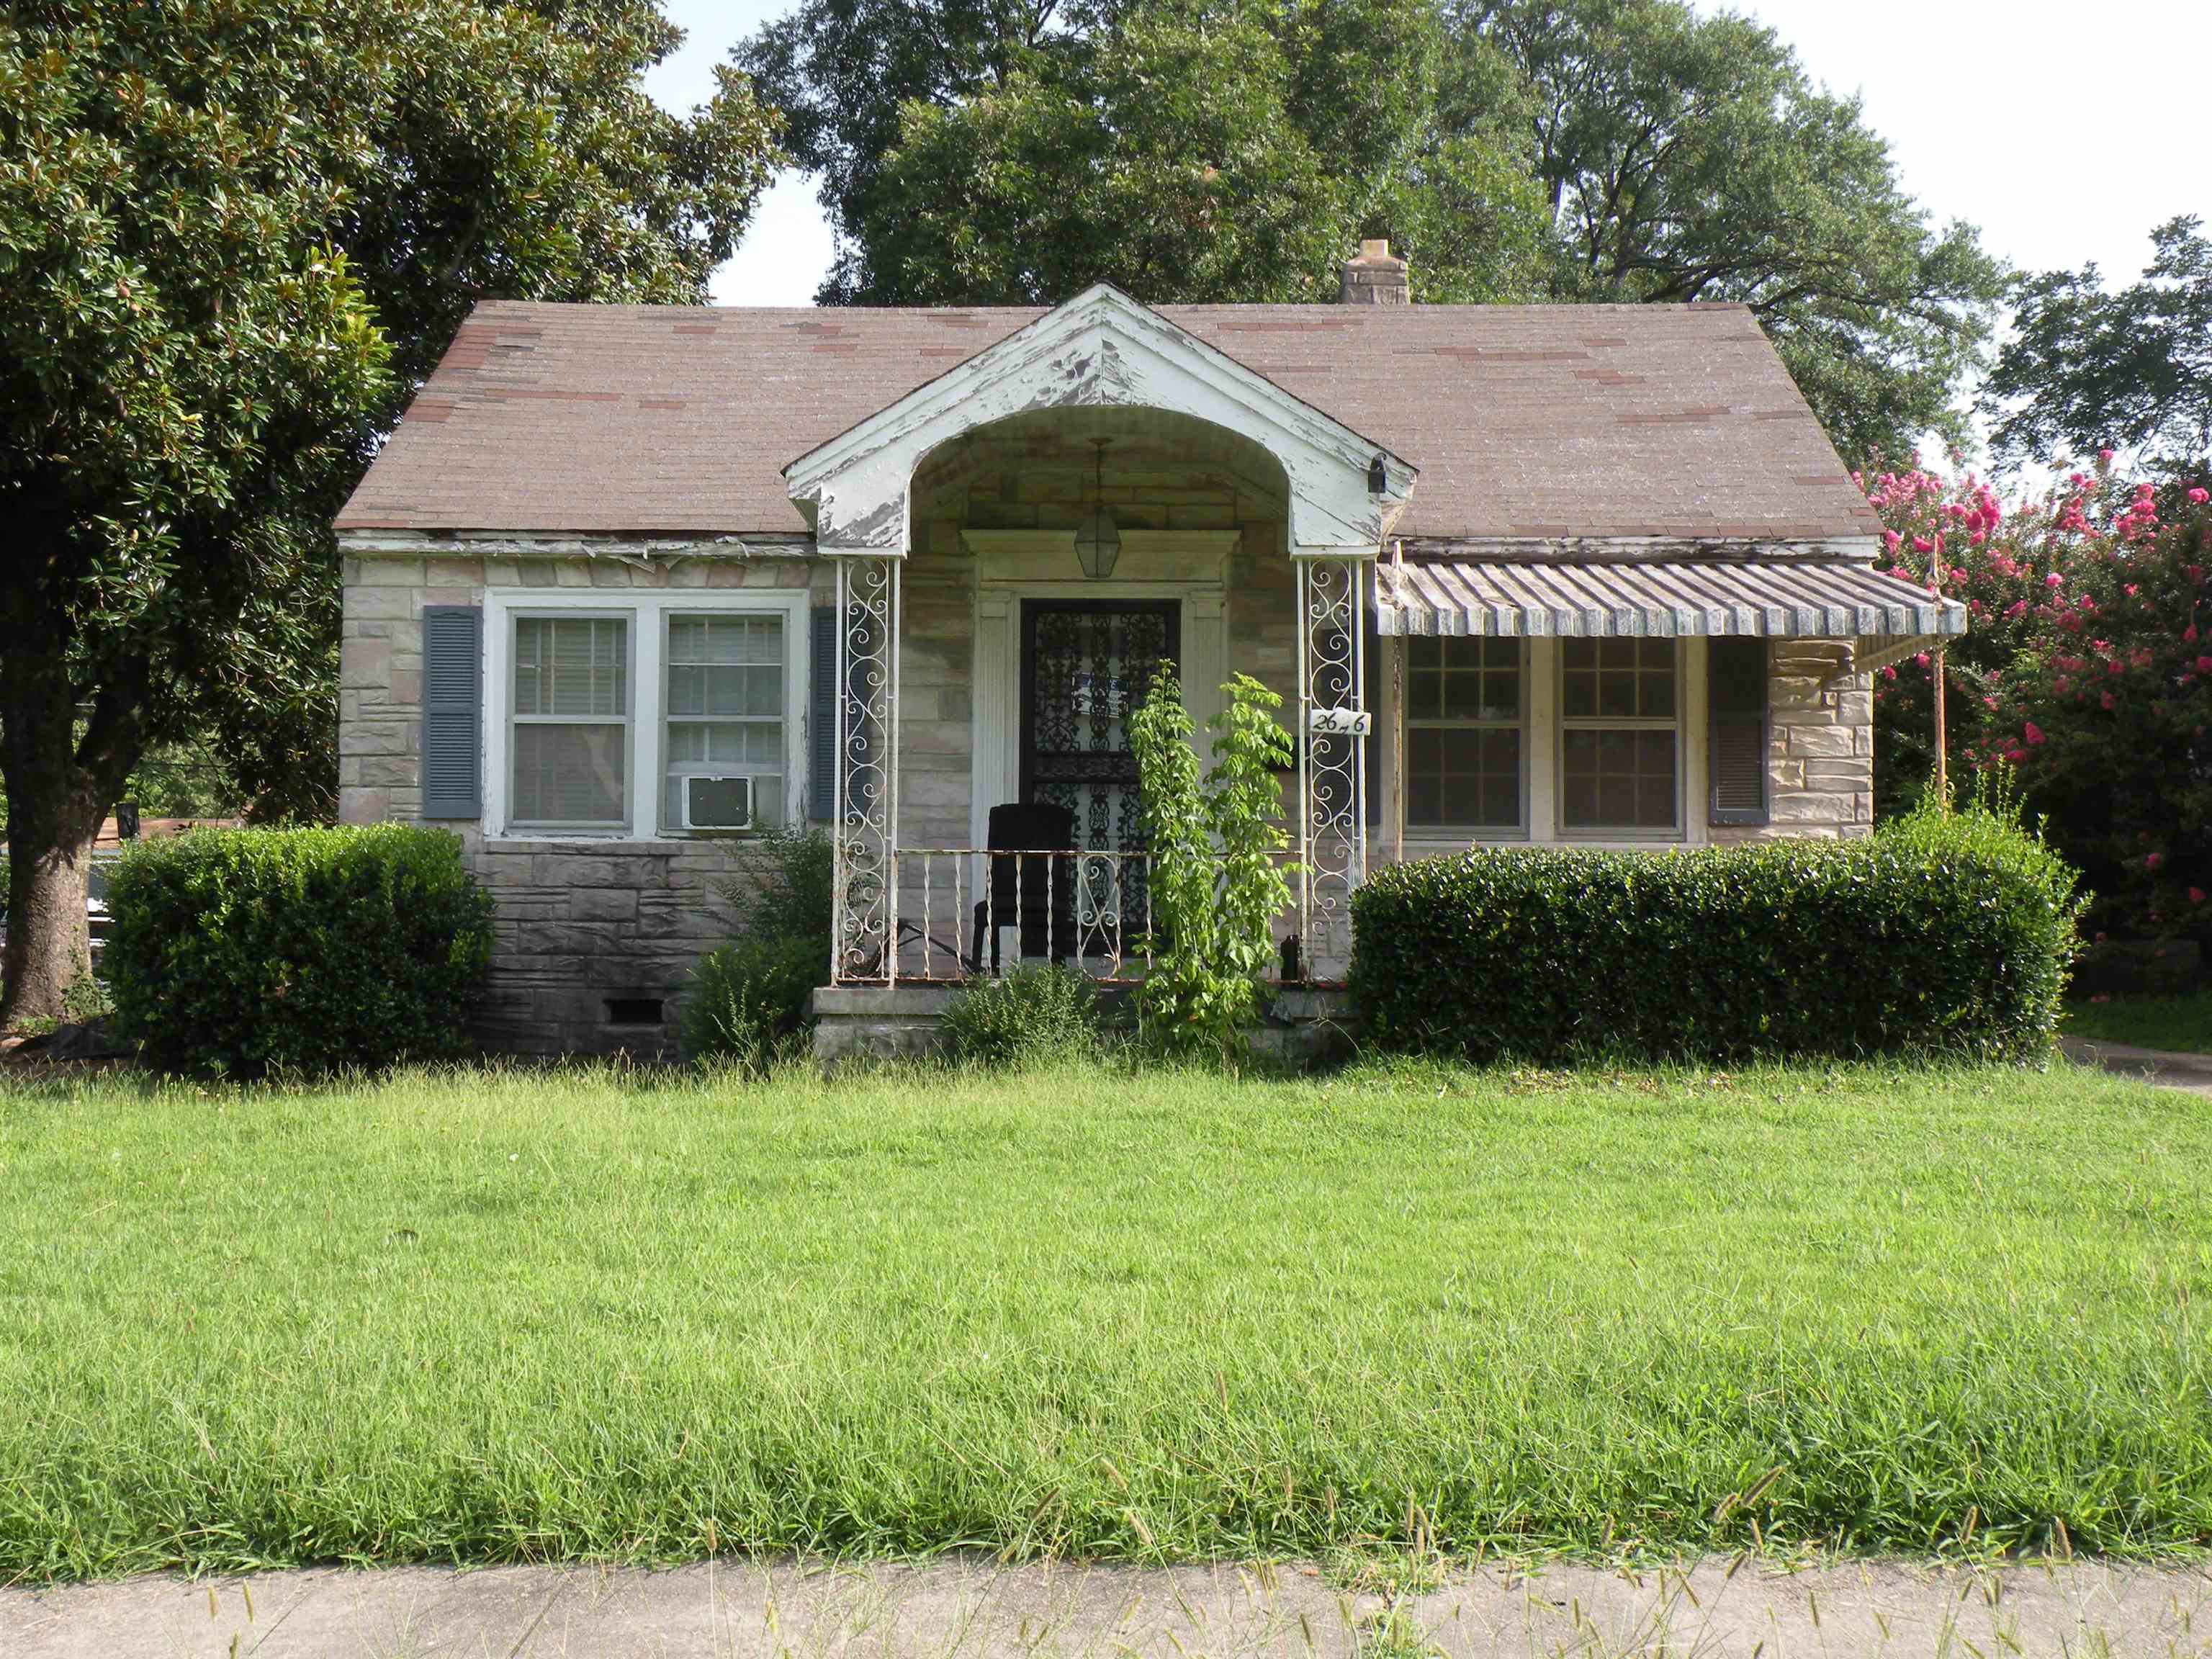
pixel 233 238
pixel 2085 672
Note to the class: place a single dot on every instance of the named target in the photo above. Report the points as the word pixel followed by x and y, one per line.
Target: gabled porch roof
pixel 1101 348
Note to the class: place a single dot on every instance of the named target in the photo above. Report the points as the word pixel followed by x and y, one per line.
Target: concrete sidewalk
pixel 969 1606
pixel 2167 1067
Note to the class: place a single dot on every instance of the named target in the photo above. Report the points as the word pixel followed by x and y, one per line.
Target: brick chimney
pixel 1376 277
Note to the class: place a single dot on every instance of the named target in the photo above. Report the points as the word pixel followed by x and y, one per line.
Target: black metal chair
pixel 1036 891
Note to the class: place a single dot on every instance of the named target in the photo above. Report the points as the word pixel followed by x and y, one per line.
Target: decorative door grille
pixel 1086 667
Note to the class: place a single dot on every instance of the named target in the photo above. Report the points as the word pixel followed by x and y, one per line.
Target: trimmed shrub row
pixel 238 952
pixel 1937 934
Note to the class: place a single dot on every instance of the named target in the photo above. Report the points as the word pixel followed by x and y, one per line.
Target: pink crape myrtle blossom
pixel 2082 671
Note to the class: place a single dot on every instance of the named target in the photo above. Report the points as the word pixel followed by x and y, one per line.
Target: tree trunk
pixel 49 949
pixel 59 791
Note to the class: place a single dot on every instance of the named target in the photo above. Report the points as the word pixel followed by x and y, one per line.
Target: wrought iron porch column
pixel 865 825
pixel 1332 741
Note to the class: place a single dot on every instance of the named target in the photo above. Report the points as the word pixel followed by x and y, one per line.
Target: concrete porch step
pixel 1304 1025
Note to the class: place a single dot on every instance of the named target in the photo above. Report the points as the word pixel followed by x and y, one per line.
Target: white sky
pixel 2065 132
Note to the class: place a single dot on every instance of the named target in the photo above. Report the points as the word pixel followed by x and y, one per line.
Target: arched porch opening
pixel 988 659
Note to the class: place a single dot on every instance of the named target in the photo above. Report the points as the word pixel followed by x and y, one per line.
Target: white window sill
pixel 1428 843
pixel 1446 834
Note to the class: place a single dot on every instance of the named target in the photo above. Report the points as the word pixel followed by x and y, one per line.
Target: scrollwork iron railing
pixel 971 910
pixel 1332 739
pixel 865 823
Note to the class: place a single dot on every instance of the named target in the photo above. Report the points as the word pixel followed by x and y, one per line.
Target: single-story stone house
pixel 630 585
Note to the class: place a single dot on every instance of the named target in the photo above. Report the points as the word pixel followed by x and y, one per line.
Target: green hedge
pixel 1936 933
pixel 241 952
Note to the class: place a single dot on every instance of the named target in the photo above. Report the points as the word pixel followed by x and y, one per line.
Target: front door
pixel 1085 665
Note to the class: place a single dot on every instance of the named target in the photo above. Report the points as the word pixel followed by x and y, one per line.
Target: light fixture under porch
pixel 1098 539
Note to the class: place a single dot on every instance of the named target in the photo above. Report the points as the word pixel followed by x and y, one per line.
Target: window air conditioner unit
pixel 716 801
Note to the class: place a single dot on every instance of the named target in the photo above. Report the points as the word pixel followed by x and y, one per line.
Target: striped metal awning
pixel 1796 597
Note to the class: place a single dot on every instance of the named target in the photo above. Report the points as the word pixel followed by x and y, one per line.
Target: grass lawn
pixel 2182 1023
pixel 506 1315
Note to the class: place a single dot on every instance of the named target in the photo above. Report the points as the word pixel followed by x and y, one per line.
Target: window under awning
pixel 1780 599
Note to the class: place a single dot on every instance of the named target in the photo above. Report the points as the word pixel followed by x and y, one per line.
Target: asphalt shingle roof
pixel 1525 420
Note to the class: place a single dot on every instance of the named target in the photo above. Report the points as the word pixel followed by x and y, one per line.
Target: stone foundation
pixel 585 930
pixel 1303 1026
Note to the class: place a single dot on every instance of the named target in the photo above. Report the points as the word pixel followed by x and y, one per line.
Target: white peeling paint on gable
pixel 1101 348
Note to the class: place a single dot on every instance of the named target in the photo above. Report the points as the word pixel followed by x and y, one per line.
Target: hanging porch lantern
pixel 1098 538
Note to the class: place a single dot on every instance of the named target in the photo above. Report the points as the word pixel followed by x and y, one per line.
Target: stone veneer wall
pixel 936 665
pixel 578 922
pixel 936 696
pixel 1819 757
pixel 1263 614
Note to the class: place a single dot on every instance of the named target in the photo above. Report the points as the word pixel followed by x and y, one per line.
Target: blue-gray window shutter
pixel 452 711
pixel 1735 705
pixel 822 714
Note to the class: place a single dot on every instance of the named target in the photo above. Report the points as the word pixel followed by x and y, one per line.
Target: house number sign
pixel 1340 722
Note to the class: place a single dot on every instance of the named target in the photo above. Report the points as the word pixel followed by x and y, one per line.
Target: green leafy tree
pixel 233 236
pixel 1186 149
pixel 1235 149
pixel 840 73
pixel 1689 158
pixel 1217 882
pixel 1162 158
pixel 2093 369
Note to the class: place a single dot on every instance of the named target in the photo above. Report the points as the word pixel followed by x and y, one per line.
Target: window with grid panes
pixel 1463 732
pixel 570 724
pixel 723 713
pixel 1619 739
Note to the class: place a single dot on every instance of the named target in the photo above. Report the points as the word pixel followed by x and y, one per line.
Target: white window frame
pixel 1678 725
pixel 1524 724
pixel 668 618
pixel 628 721
pixel 647 612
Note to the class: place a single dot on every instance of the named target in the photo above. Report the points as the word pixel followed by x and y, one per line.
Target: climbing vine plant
pixel 1216 841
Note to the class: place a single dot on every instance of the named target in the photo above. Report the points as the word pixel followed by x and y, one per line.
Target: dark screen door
pixel 1085 665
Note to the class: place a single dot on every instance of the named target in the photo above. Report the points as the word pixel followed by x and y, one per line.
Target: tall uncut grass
pixel 503 1315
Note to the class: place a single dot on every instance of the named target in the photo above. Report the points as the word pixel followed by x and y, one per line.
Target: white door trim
pixel 1007 573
